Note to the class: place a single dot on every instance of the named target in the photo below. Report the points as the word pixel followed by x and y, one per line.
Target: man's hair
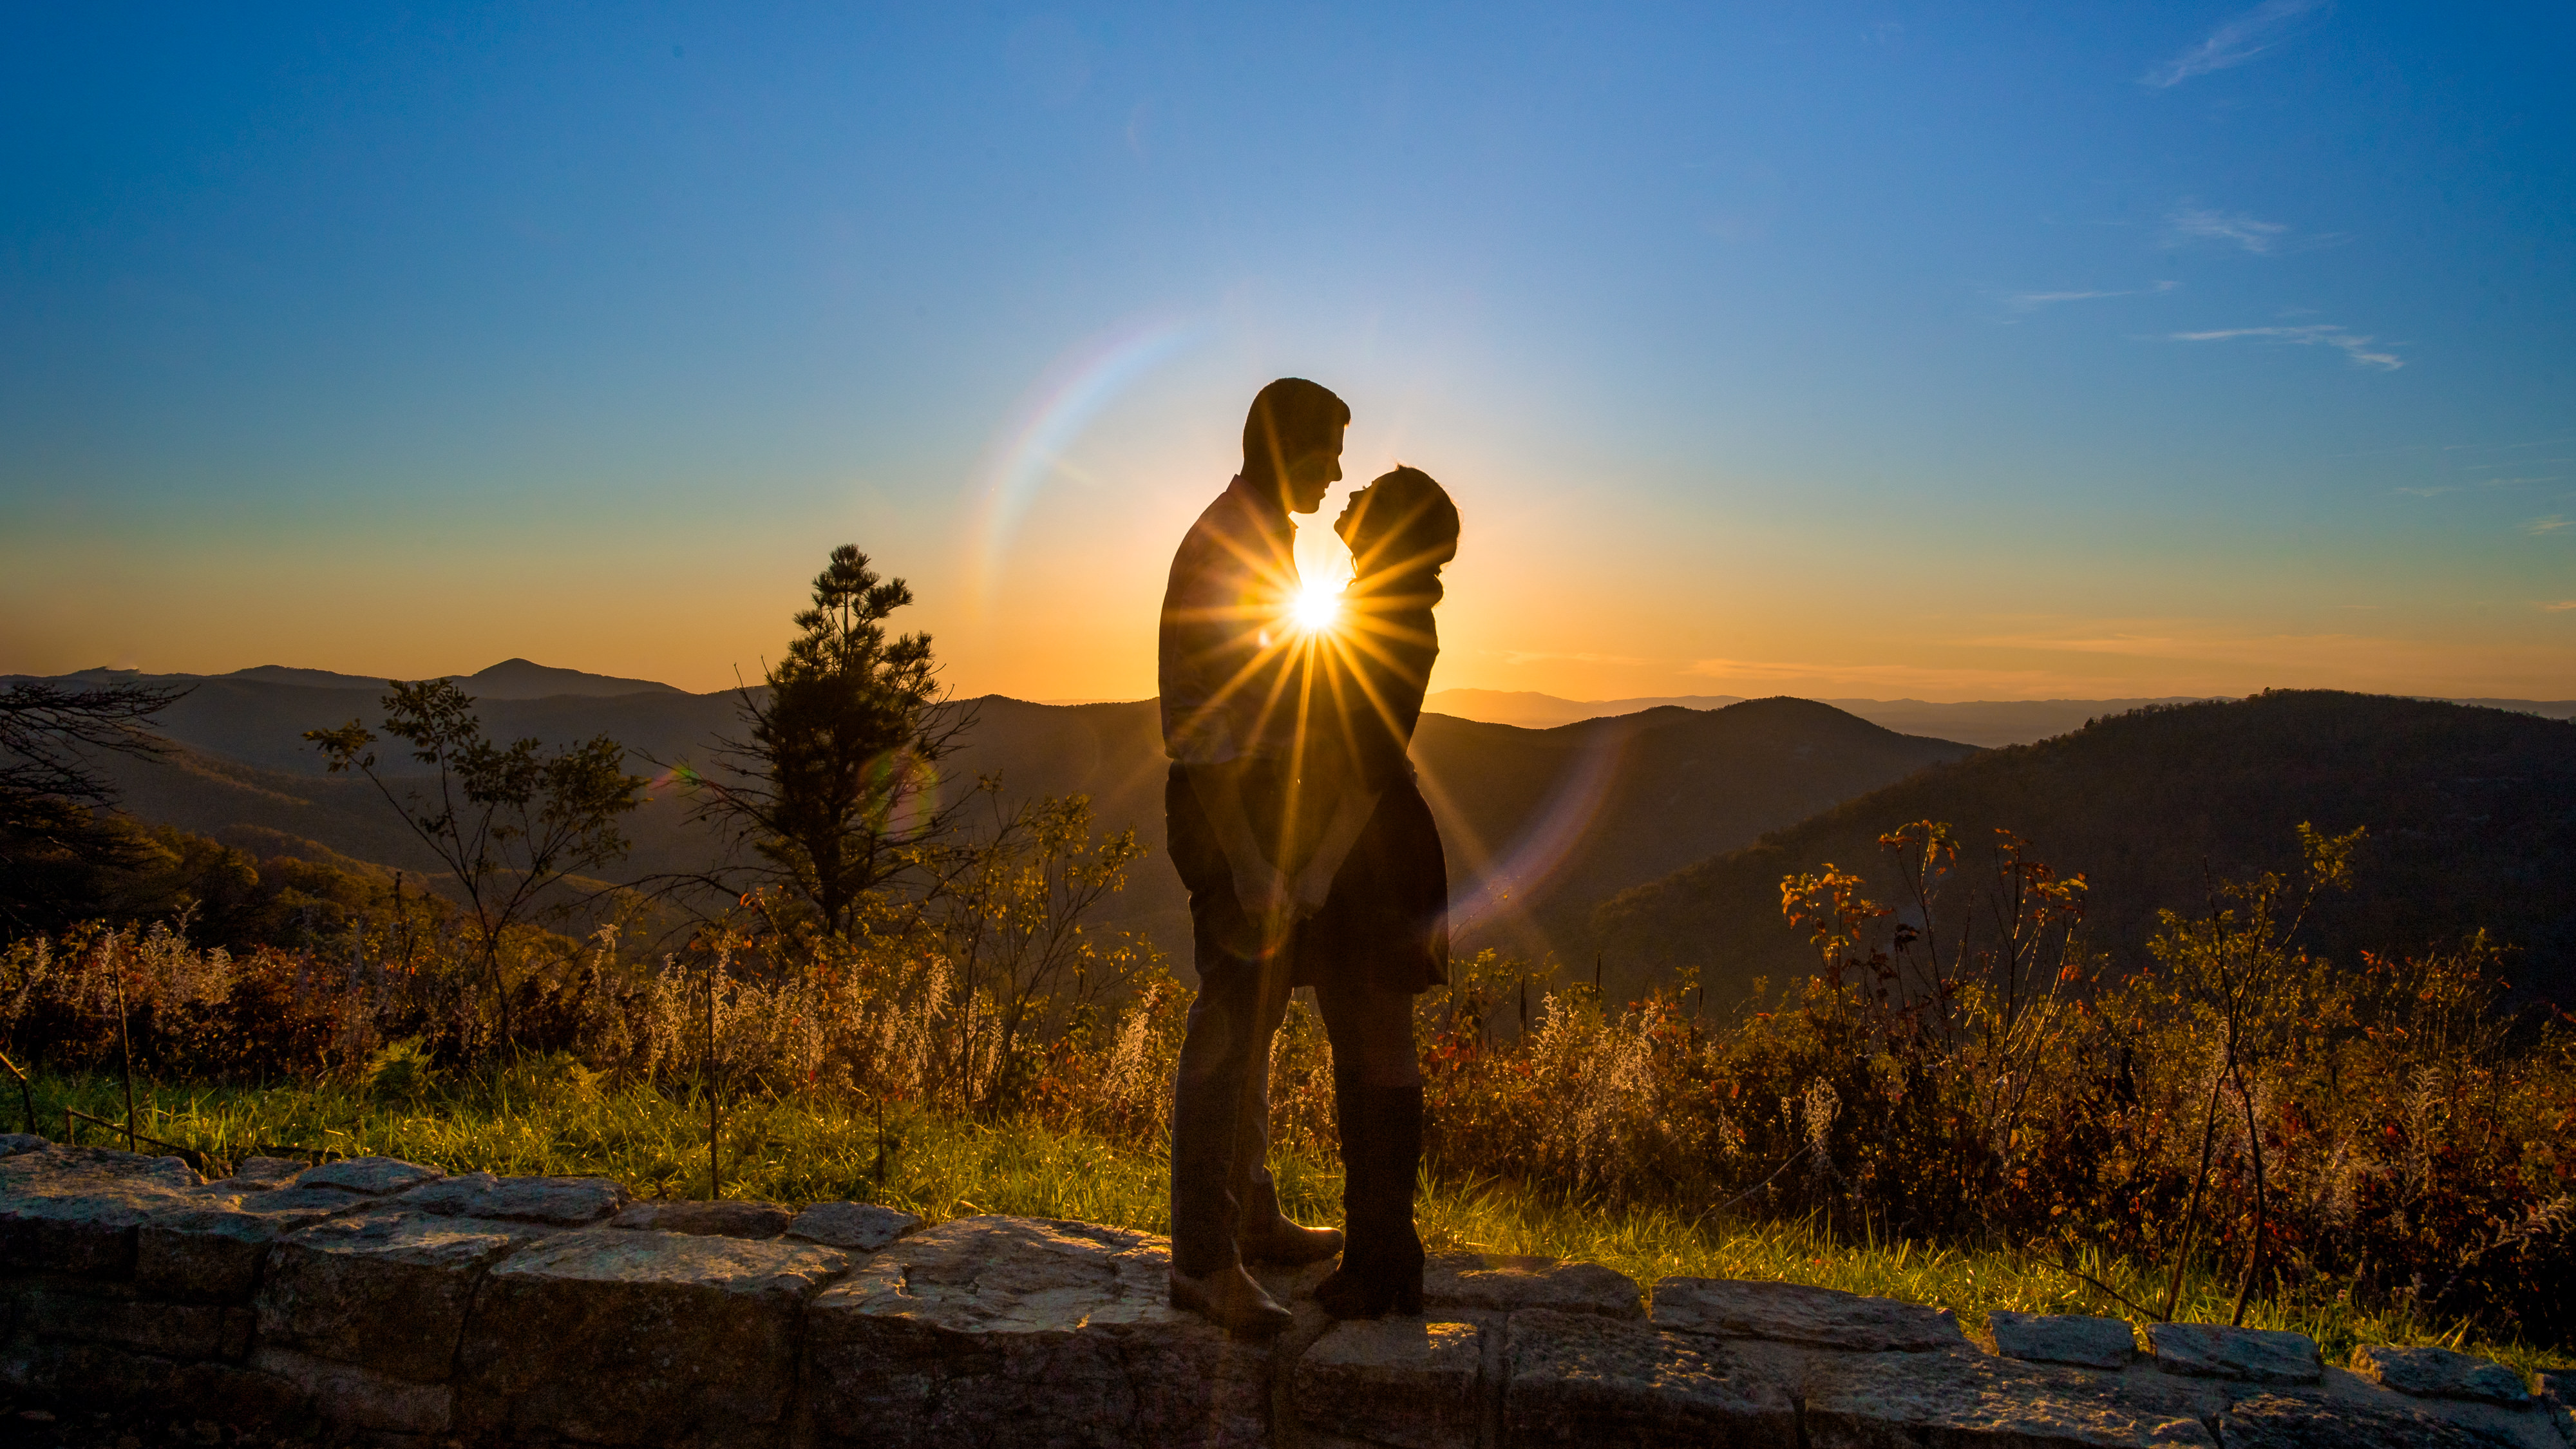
pixel 1406 524
pixel 1289 419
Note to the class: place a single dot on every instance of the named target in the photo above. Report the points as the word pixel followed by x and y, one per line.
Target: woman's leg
pixel 1378 1095
pixel 1371 1031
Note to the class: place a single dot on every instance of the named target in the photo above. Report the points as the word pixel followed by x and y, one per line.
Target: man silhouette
pixel 1228 725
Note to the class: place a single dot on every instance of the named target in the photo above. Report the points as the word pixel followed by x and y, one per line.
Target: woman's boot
pixel 1398 1140
pixel 1381 1267
pixel 1343 1294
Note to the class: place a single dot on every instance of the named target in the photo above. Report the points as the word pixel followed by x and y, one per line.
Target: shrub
pixel 2385 1131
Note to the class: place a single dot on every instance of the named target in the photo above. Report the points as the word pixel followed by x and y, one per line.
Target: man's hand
pixel 1265 895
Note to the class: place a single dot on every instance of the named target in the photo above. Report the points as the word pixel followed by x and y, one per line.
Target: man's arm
pixel 1258 884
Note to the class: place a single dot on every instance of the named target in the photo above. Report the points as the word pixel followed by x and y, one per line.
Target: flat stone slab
pixel 1401 1382
pixel 2253 1355
pixel 705 1219
pixel 565 1201
pixel 1866 1401
pixel 1797 1313
pixel 2063 1338
pixel 2439 1373
pixel 373 1176
pixel 384 1290
pixel 2557 1395
pixel 75 1210
pixel 2281 1421
pixel 857 1227
pixel 212 1253
pixel 1580 1378
pixel 1501 1282
pixel 1021 1331
pixel 257 1174
pixel 696 1332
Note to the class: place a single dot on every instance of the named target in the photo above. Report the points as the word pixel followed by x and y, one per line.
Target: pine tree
pixel 836 787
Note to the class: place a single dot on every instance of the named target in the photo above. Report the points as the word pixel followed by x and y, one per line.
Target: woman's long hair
pixel 1400 530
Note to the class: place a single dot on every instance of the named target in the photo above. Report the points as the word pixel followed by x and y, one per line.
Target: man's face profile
pixel 1313 472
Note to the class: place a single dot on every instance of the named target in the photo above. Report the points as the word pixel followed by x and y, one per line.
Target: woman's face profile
pixel 1348 523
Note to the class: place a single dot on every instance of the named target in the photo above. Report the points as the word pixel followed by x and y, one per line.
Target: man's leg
pixel 1261 1231
pixel 1224 1045
pixel 1226 1040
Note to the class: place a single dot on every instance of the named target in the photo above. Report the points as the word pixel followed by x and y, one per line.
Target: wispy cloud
pixel 2503 448
pixel 2058 657
pixel 2197 224
pixel 2244 38
pixel 2033 301
pixel 2554 523
pixel 2433 492
pixel 2355 345
pixel 1533 656
pixel 2560 606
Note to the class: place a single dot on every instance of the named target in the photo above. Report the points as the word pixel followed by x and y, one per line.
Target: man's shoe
pixel 1231 1300
pixel 1286 1245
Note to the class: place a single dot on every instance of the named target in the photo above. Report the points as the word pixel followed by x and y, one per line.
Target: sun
pixel 1317 608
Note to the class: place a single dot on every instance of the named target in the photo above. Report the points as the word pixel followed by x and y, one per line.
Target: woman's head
pixel 1401 524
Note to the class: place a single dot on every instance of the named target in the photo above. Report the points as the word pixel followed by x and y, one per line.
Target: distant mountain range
pixel 1655 837
pixel 509 679
pixel 1540 824
pixel 2471 814
pixel 1992 723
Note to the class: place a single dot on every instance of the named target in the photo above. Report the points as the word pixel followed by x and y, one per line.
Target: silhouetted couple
pixel 1310 857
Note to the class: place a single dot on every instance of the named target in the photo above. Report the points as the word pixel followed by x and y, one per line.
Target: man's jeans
pixel 1221 1095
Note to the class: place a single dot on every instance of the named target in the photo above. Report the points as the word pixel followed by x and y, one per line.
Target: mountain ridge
pixel 1541 824
pixel 1992 723
pixel 2471 814
pixel 512 678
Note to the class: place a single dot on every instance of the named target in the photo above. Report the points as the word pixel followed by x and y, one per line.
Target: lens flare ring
pixel 1050 419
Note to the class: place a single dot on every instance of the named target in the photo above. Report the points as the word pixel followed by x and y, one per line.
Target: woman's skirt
pixel 1387 919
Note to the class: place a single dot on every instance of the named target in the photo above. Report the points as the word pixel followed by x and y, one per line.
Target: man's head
pixel 1292 441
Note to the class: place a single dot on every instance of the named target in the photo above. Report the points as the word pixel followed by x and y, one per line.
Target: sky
pixel 1874 350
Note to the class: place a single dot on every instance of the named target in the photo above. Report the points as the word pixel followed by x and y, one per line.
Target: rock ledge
pixel 393 1303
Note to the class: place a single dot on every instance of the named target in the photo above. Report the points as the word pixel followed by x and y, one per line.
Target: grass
pixel 545 1117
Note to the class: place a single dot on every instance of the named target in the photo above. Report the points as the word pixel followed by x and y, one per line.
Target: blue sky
pixel 1823 349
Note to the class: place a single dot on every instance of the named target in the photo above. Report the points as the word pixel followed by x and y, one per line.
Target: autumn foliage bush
pixel 2384 1130
pixel 2388 1130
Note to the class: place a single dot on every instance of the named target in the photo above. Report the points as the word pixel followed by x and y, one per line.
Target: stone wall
pixel 389 1302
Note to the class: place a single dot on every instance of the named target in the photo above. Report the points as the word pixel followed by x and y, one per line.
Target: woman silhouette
pixel 1376 882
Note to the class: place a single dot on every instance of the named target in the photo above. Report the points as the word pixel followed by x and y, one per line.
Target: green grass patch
pixel 550 1117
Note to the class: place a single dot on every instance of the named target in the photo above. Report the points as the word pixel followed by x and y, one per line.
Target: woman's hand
pixel 1350 816
pixel 1266 895
pixel 1314 887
